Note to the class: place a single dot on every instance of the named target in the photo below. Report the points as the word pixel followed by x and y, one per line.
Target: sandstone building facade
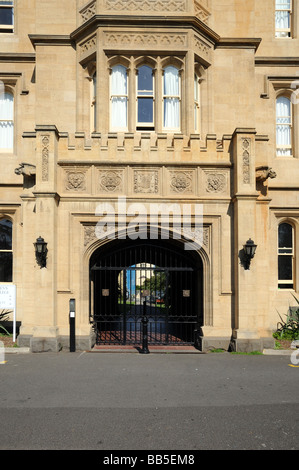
pixel 115 105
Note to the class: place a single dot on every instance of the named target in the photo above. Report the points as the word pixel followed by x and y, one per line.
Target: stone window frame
pixel 288 87
pixel 289 31
pixel 290 284
pixel 7 86
pixel 286 95
pixel 152 64
pixel 126 63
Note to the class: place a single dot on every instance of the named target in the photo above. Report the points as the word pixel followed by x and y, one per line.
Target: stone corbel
pixel 26 169
pixel 29 173
pixel 263 173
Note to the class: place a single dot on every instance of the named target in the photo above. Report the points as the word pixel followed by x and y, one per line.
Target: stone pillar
pixel 45 335
pixel 245 318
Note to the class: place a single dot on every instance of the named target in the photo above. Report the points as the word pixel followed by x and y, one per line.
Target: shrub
pixel 288 329
pixel 3 318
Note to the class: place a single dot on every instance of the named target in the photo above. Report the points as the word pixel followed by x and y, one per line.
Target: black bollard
pixel 72 326
pixel 144 320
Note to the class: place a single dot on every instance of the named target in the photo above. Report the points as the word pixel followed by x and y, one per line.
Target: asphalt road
pixel 128 401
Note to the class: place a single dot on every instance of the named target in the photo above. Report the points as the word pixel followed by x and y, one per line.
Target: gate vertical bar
pixel 124 300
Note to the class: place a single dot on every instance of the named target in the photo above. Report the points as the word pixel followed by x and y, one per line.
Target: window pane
pixel 145 110
pixel 283 4
pixel 171 113
pixel 6 106
pixel 119 112
pixel 145 79
pixel 171 81
pixel 285 270
pixel 283 126
pixel 119 80
pixel 6 16
pixel 5 234
pixel 285 236
pixel 5 267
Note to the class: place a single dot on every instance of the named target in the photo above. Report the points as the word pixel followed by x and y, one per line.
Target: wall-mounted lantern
pixel 249 252
pixel 41 251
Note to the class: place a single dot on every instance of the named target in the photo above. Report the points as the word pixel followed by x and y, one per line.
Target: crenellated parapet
pixel 144 146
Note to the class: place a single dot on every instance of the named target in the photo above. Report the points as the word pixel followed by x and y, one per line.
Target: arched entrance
pixel 157 278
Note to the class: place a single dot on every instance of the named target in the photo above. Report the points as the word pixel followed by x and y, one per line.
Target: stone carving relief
pixel 246 149
pixel 216 182
pixel 145 181
pixel 89 44
pixel 45 157
pixel 201 12
pixel 146 5
pixel 202 235
pixel 141 39
pixel 181 181
pixel 110 181
pixel 264 172
pixel 88 12
pixel 89 234
pixel 75 181
pixel 201 46
pixel 26 169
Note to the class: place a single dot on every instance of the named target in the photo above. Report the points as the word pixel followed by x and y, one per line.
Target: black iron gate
pixel 146 278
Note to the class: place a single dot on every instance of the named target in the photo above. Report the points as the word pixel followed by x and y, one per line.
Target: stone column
pixel 45 335
pixel 245 317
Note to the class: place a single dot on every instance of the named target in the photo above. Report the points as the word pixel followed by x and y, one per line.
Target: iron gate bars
pixel 123 279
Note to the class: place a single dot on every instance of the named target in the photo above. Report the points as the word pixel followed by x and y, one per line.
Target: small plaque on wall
pixel 105 292
pixel 186 293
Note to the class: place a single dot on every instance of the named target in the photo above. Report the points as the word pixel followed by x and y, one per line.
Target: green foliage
pixel 3 318
pixel 156 283
pixel 289 328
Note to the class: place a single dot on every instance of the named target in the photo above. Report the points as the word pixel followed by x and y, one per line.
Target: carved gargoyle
pixel 264 172
pixel 26 169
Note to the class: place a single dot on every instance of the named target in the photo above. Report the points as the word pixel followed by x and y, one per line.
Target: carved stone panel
pixel 110 181
pixel 89 234
pixel 144 39
pixel 75 180
pixel 246 151
pixel 45 157
pixel 146 181
pixel 181 182
pixel 146 5
pixel 216 182
pixel 89 45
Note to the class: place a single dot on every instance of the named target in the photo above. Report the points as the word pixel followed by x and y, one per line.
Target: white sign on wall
pixel 7 296
pixel 8 302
